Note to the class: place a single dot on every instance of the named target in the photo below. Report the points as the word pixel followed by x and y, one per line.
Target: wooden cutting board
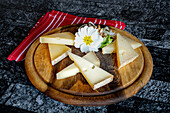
pixel 75 90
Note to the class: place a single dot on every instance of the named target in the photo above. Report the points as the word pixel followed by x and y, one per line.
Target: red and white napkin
pixel 51 21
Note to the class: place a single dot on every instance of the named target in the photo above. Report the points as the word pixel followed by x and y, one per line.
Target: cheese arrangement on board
pixel 94 78
pixel 72 70
pixel 58 52
pixel 94 75
pixel 89 39
pixel 124 51
pixel 66 38
pixel 112 49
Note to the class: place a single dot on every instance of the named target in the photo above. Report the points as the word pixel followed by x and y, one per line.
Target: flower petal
pixel 77 36
pixel 78 42
pixel 90 31
pixel 93 49
pixel 95 35
pixel 97 42
pixel 84 48
pixel 83 30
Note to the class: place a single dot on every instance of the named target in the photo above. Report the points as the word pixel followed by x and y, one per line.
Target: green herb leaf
pixel 106 41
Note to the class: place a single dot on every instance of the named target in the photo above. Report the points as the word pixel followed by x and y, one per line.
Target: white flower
pixel 88 39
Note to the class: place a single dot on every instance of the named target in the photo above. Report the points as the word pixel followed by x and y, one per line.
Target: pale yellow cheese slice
pixel 109 48
pixel 72 69
pixel 94 75
pixel 66 38
pixel 112 49
pixel 125 52
pixel 133 43
pixel 58 52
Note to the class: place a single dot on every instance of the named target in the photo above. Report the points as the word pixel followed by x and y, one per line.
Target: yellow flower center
pixel 87 40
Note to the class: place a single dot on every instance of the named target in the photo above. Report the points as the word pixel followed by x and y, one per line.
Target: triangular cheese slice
pixel 94 75
pixel 66 38
pixel 125 52
pixel 133 43
pixel 112 49
pixel 109 48
pixel 72 69
pixel 58 52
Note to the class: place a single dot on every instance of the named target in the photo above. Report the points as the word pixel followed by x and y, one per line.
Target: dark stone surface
pixel 146 19
pixel 11 109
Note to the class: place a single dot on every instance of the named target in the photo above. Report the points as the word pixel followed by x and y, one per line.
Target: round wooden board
pixel 77 85
pixel 70 94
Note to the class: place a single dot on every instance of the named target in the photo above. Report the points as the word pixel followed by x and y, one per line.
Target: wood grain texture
pixel 123 77
pixel 70 94
pixel 80 87
pixel 31 71
pixel 42 63
pixel 131 72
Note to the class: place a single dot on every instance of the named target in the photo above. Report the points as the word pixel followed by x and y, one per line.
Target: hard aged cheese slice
pixel 58 38
pixel 125 52
pixel 94 75
pixel 133 43
pixel 109 48
pixel 72 69
pixel 112 49
pixel 58 52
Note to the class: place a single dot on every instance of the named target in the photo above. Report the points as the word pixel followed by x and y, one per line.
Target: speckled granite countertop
pixel 149 20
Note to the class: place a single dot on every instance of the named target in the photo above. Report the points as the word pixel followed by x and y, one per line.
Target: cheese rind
pixel 72 69
pixel 66 38
pixel 125 52
pixel 112 49
pixel 58 52
pixel 94 75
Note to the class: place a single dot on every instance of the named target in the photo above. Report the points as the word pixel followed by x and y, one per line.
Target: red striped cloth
pixel 51 21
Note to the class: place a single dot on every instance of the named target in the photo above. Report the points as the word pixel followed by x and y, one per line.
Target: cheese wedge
pixel 66 38
pixel 112 49
pixel 58 52
pixel 133 43
pixel 72 69
pixel 94 75
pixel 125 52
pixel 109 48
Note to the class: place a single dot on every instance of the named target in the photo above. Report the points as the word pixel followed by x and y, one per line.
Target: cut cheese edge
pixel 72 69
pixel 94 75
pixel 66 38
pixel 109 48
pixel 133 43
pixel 58 52
pixel 112 49
pixel 125 52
